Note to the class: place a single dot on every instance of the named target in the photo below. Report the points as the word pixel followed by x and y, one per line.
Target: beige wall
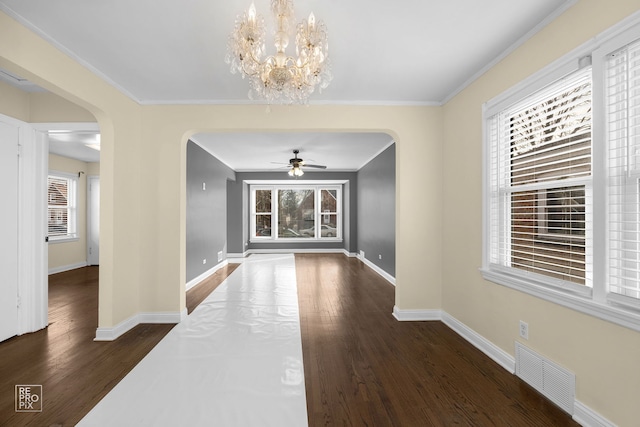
pixel 143 177
pixel 14 102
pixel 40 107
pixel 45 107
pixel 143 200
pixel 603 356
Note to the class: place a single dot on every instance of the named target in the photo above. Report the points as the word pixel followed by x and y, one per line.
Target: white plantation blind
pixel 540 182
pixel 623 117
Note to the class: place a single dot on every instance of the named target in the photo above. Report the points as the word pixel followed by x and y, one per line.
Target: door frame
pixel 33 310
pixel 93 219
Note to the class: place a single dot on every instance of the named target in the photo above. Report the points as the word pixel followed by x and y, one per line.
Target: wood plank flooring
pixel 75 371
pixel 362 367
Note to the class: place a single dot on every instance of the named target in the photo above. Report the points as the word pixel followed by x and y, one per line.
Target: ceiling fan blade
pixel 314 166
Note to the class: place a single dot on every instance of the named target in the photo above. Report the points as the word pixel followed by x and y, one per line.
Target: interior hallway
pixel 361 366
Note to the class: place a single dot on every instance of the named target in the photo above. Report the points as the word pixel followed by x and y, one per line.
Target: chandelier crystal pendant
pixel 280 78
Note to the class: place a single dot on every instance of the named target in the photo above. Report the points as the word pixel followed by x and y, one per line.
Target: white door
pixel 93 220
pixel 9 239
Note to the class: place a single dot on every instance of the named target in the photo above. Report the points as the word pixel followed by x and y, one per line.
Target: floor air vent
pixel 553 381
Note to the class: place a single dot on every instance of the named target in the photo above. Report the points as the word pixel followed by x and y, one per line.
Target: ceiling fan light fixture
pixel 279 77
pixel 297 163
pixel 296 171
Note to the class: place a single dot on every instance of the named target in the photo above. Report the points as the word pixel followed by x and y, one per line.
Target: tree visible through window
pixel 544 178
pixel 300 212
pixel 263 212
pixel 295 212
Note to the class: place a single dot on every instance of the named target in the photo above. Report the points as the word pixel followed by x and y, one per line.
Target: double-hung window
pixel 562 182
pixel 62 206
pixel 294 212
pixel 540 154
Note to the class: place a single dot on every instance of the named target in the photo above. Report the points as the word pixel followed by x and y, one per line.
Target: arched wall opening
pixel 222 167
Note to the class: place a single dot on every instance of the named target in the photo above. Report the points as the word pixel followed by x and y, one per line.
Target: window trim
pixel 73 217
pixel 596 301
pixel 315 185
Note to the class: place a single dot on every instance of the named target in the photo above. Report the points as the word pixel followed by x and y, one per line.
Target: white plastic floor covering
pixel 235 361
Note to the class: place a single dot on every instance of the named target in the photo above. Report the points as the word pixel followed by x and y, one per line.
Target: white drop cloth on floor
pixel 235 361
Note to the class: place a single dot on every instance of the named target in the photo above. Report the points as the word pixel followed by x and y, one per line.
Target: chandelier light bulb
pixel 280 78
pixel 252 13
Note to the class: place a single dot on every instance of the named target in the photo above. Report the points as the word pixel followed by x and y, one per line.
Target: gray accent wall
pixel 376 219
pixel 206 210
pixel 238 203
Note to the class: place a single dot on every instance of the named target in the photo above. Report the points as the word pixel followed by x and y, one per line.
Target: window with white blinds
pixel 623 134
pixel 540 179
pixel 61 206
pixel 562 181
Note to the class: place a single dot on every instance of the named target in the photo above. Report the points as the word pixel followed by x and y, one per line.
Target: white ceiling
pixel 411 52
pixel 246 152
pixel 75 144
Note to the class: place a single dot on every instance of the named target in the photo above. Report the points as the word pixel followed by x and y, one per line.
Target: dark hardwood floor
pixel 76 372
pixel 198 293
pixel 362 367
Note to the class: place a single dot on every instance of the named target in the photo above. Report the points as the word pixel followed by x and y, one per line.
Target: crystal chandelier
pixel 280 78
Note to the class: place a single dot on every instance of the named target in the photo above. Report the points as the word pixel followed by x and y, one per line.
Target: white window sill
pixel 63 239
pixel 609 310
pixel 296 240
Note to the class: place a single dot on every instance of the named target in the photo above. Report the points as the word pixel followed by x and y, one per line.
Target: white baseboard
pixel 587 417
pixel 416 315
pixel 63 268
pixel 191 283
pixel 389 278
pixel 110 334
pixel 298 251
pixel 236 258
pixel 582 414
pixel 498 355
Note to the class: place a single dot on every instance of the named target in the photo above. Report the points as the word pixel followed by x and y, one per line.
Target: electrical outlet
pixel 219 256
pixel 379 256
pixel 204 261
pixel 204 185
pixel 524 330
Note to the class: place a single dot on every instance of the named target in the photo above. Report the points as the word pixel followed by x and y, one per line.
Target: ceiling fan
pixel 297 163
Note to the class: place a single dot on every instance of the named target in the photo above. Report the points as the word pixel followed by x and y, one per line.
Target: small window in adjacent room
pixel 61 206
